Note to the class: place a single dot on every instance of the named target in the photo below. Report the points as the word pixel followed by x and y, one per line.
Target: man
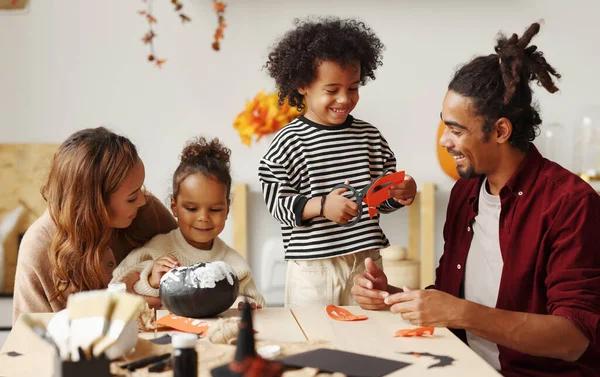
pixel 519 279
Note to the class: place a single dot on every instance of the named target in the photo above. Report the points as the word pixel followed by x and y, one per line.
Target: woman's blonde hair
pixel 87 168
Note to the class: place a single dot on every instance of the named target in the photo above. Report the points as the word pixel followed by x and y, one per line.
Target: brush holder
pixel 88 368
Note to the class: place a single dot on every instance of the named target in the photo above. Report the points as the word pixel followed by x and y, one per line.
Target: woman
pixel 97 213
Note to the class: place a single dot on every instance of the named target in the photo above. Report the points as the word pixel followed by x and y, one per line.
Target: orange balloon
pixel 446 161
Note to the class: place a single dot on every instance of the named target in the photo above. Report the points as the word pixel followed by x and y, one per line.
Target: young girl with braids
pixel 200 203
pixel 519 279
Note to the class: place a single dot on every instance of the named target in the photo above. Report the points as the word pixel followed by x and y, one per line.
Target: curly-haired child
pixel 320 65
pixel 200 202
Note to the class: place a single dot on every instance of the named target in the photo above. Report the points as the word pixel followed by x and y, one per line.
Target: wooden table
pixel 374 337
pixel 370 337
pixel 274 324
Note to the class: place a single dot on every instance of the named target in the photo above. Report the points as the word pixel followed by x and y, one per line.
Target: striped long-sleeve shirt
pixel 306 160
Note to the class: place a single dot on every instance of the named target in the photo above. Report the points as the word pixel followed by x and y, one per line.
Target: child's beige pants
pixel 321 282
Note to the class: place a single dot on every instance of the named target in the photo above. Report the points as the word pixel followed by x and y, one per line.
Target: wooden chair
pixel 415 267
pixel 239 212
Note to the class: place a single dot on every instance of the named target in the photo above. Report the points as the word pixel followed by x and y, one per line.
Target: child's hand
pixel 160 267
pixel 405 192
pixel 338 208
pixel 253 305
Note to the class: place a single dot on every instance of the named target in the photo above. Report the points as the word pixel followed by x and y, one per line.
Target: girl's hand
pixel 160 267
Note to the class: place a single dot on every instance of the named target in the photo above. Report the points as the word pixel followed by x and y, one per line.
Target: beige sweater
pixel 34 278
pixel 141 260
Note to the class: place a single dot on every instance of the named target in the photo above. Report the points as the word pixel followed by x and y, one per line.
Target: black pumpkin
pixel 199 291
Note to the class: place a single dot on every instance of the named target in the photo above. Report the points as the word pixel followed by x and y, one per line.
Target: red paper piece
pixel 339 314
pixel 377 193
pixel 419 331
pixel 191 325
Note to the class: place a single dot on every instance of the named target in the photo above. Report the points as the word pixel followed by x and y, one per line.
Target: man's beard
pixel 467 173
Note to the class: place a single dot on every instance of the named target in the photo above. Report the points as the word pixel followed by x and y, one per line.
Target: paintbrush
pixel 125 308
pixel 160 366
pixel 145 362
pixel 88 314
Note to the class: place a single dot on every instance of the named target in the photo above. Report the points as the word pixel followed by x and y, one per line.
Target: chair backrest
pixel 421 233
pixel 239 209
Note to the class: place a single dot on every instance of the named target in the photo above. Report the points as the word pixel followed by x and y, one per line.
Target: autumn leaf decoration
pixel 262 116
pixel 219 8
pixel 148 38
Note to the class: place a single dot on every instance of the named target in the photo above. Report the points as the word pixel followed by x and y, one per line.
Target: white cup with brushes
pixel 60 331
pixel 114 333
pixel 89 315
pixel 122 333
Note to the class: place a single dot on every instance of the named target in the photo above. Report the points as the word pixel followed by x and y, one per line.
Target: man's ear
pixel 503 130
pixel 302 91
pixel 174 206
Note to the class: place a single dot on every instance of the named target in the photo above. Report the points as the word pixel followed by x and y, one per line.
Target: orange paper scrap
pixel 339 314
pixel 377 193
pixel 419 331
pixel 191 325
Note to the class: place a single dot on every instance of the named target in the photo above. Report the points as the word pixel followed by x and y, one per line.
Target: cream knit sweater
pixel 142 259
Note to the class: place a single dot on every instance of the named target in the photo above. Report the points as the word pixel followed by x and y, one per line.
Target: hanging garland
pixel 219 8
pixel 148 38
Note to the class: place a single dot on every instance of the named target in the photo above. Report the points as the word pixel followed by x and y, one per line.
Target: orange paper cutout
pixel 339 314
pixel 419 331
pixel 191 325
pixel 377 193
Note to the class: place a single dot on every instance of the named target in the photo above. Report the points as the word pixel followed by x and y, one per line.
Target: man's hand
pixel 405 192
pixel 370 288
pixel 160 267
pixel 429 308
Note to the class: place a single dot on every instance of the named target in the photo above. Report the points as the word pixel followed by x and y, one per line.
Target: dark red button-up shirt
pixel 550 244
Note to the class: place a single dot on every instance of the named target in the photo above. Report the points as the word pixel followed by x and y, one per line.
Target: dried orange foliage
pixel 262 116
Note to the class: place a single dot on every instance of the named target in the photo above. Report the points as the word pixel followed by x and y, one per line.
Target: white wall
pixel 67 65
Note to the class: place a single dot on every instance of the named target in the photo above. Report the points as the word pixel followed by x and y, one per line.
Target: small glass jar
pixel 551 143
pixel 586 152
pixel 185 358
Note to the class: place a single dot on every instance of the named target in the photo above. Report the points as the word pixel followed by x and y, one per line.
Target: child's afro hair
pixel 294 60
